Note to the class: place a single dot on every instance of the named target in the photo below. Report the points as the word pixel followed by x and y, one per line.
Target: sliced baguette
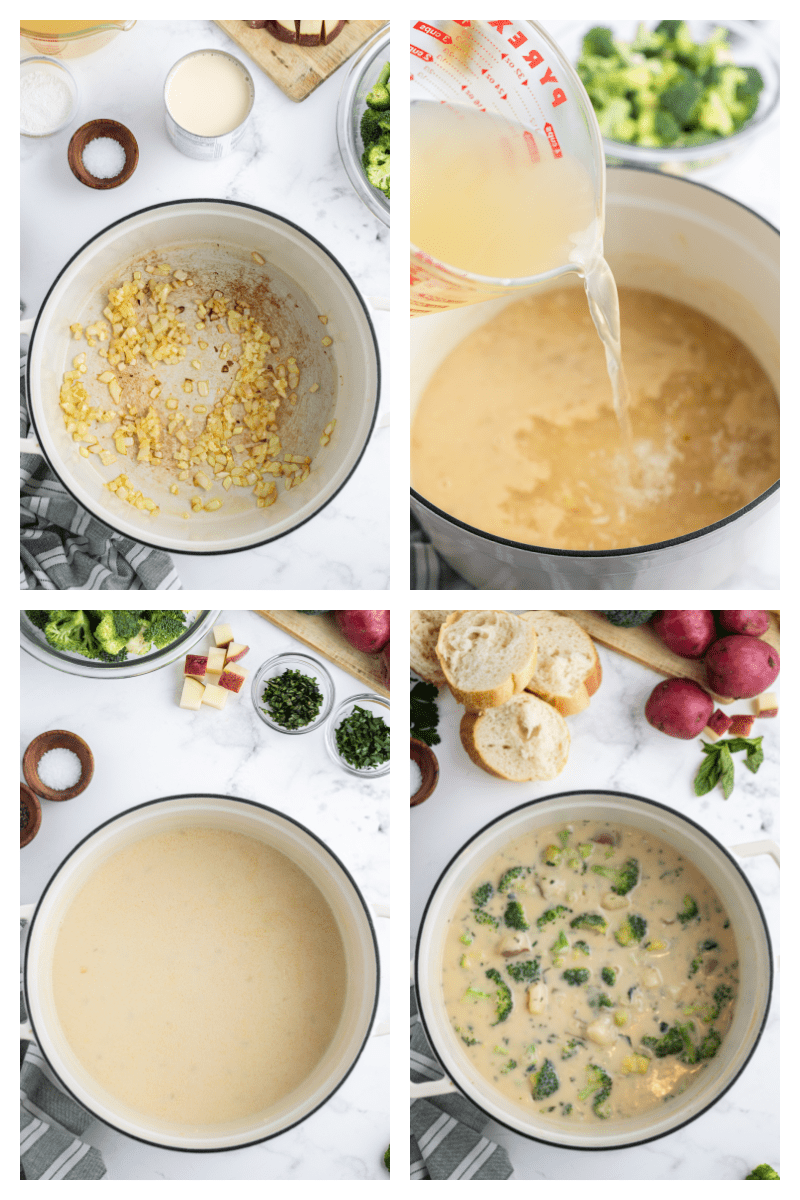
pixel 523 739
pixel 568 670
pixel 487 656
pixel 425 626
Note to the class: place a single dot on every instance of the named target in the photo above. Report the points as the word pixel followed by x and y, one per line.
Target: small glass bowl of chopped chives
pixel 357 735
pixel 293 693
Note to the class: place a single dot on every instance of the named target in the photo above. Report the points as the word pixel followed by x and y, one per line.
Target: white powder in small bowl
pixel 416 777
pixel 59 769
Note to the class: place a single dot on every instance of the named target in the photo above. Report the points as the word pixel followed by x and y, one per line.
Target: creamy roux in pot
pixel 515 433
pixel 577 1023
pixel 199 976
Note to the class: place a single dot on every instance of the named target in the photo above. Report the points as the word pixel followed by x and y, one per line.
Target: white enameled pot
pixel 694 245
pixel 217 238
pixel 725 877
pixel 303 848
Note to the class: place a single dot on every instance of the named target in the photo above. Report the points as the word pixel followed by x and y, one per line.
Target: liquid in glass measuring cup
pixel 500 118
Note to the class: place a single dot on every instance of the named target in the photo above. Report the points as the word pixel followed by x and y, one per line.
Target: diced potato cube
pixel 216 660
pixel 195 666
pixel 223 635
pixel 215 696
pixel 235 652
pixel 767 705
pixel 192 694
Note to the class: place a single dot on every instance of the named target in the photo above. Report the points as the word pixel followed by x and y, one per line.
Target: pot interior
pixel 215 242
pixel 746 920
pixel 326 873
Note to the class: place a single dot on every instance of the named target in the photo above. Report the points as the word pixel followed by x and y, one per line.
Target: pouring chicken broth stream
pixel 514 433
pixel 589 972
pixel 525 207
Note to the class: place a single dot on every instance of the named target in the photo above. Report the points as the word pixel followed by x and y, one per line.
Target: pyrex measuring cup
pixel 514 70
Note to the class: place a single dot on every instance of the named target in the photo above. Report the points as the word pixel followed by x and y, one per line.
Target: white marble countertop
pixel 614 748
pixel 289 163
pixel 144 747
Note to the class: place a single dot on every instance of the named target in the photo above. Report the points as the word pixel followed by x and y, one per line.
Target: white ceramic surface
pixel 166 750
pixel 614 748
pixel 288 162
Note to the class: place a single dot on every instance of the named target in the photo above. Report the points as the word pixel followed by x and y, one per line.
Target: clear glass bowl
pixel 294 662
pixel 33 641
pixel 50 64
pixel 379 707
pixel 363 69
pixel 748 47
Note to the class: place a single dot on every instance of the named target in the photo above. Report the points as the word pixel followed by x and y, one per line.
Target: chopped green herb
pixel 362 739
pixel 292 699
pixel 425 713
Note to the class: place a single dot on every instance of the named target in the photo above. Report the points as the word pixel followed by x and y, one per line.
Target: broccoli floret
pixel 689 910
pixel 482 917
pixel 763 1172
pixel 709 1045
pixel 373 124
pixel 545 1081
pixel 609 976
pixel 722 995
pixel 622 878
pixel 677 1040
pixel 702 948
pixel 38 617
pixel 598 1082
pixel 628 620
pixel 115 630
pixel 632 929
pixel 552 914
pixel 375 161
pixel 600 1000
pixel 582 948
pixel 599 41
pixel 557 948
pixel 526 971
pixel 575 976
pixel 378 96
pixel 482 895
pixel 503 998
pixel 71 631
pixel 552 855
pixel 165 627
pixel 591 921
pixel 514 916
pixel 508 1067
pixel 386 1158
pixel 571 1048
pixel 508 879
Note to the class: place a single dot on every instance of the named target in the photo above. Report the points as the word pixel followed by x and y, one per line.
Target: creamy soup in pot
pixel 199 976
pixel 516 434
pixel 590 972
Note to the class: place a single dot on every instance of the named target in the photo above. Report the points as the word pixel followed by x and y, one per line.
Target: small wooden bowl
pixel 102 128
pixel 28 805
pixel 428 764
pixel 57 739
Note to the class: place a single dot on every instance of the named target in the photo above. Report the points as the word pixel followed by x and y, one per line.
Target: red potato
pixel 719 722
pixel 196 666
pixel 365 628
pixel 679 708
pixel 750 621
pixel 767 705
pixel 385 663
pixel 688 632
pixel 741 725
pixel 741 666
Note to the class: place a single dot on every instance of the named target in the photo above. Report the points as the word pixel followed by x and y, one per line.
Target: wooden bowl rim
pixel 425 758
pixel 31 800
pixel 56 739
pixel 102 127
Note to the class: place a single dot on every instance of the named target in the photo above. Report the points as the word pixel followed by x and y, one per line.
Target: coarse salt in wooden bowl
pixel 57 739
pixel 102 128
pixel 428 764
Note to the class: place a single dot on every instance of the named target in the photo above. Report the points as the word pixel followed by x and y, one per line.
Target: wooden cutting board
pixel 644 646
pixel 298 70
pixel 322 634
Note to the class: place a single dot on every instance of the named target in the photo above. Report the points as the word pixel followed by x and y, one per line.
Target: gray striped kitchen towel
pixel 428 570
pixel 50 1122
pixel 62 546
pixel 447 1141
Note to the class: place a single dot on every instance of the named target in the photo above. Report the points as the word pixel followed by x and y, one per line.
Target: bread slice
pixel 522 739
pixel 568 670
pixel 425 626
pixel 486 655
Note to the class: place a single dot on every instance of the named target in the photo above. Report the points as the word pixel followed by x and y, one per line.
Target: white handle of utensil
pixel 434 1087
pixel 753 849
pixel 25 1028
pixel 26 325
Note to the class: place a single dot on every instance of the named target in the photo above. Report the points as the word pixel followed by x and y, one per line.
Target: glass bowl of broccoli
pixel 362 127
pixel 675 96
pixel 111 643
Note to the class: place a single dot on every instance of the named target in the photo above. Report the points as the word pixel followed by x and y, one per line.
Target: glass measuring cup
pixel 514 72
pixel 68 39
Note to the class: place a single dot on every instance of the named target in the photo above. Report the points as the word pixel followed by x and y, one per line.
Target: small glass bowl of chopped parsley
pixel 357 735
pixel 293 693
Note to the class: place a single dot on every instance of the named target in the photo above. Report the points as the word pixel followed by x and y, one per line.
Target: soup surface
pixel 516 434
pixel 199 975
pixel 589 972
